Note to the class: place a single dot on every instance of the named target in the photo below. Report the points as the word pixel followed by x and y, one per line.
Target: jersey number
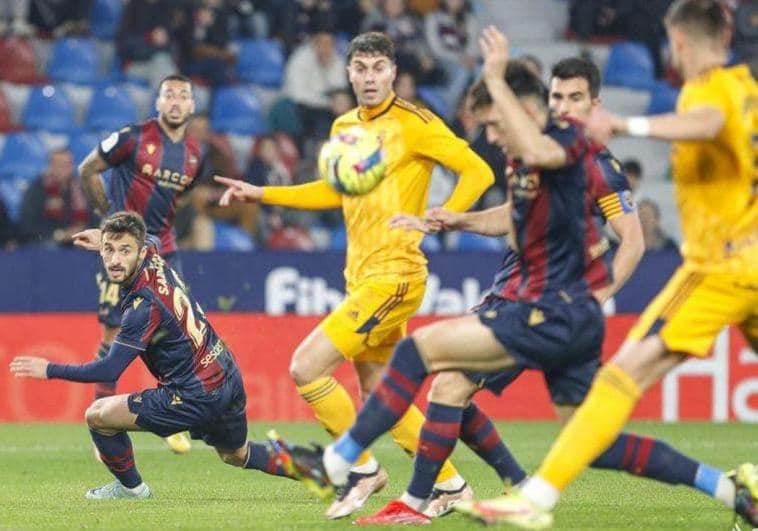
pixel 109 293
pixel 195 328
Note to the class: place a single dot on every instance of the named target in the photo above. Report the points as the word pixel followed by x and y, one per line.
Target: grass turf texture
pixel 45 470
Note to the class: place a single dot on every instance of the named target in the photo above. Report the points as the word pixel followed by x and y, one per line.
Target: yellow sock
pixel 333 408
pixel 407 432
pixel 593 428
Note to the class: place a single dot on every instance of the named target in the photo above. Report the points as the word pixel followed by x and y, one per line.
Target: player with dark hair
pixel 713 130
pixel 200 389
pixel 152 164
pixel 385 270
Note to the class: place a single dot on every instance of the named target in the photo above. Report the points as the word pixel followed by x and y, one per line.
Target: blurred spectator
pixel 534 64
pixel 13 18
pixel 248 19
pixel 7 229
pixel 633 171
pixel 299 19
pixel 452 33
pixel 204 37
pixel 411 49
pixel 423 7
pixel 340 101
pixel 650 219
pixel 61 18
pixel 633 20
pixel 217 159
pixel 54 206
pixel 144 42
pixel 313 71
pixel 746 33
pixel 405 88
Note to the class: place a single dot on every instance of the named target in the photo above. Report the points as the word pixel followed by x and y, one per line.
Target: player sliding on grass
pixel 200 387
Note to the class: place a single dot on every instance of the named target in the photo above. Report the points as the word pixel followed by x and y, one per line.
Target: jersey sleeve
pixel 713 93
pixel 141 319
pixel 610 189
pixel 119 145
pixel 571 138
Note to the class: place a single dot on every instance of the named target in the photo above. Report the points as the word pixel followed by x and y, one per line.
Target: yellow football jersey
pixel 717 180
pixel 413 139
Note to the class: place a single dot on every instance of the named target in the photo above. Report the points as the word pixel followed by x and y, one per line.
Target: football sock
pixel 438 437
pixel 478 432
pixel 406 433
pixel 260 457
pixel 594 426
pixel 388 402
pixel 714 483
pixel 116 453
pixel 333 407
pixel 103 389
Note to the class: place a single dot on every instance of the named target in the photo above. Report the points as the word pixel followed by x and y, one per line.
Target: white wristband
pixel 638 126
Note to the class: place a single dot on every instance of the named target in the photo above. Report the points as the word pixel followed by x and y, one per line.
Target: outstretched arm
pixel 92 182
pixel 702 123
pixel 316 195
pixel 106 369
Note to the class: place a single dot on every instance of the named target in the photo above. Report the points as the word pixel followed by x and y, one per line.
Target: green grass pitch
pixel 46 468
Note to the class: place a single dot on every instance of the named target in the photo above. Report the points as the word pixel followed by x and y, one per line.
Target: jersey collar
pixel 366 114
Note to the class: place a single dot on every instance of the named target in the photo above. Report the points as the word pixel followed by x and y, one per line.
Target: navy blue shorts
pixel 218 419
pixel 109 304
pixel 560 336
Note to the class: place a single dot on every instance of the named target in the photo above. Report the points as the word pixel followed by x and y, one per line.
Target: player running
pixel 200 386
pixel 385 270
pixel 714 153
pixel 151 164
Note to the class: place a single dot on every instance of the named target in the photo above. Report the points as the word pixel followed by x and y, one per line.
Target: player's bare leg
pixel 109 419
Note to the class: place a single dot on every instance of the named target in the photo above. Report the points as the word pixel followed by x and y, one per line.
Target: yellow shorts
pixel 693 308
pixel 373 318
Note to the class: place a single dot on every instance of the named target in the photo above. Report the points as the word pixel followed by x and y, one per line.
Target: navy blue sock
pixel 116 453
pixel 260 457
pixel 388 402
pixel 478 432
pixel 103 389
pixel 439 434
pixel 650 458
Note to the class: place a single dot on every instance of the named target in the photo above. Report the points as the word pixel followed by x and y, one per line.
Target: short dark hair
pixel 372 43
pixel 707 17
pixel 632 166
pixel 125 222
pixel 521 80
pixel 572 67
pixel 177 77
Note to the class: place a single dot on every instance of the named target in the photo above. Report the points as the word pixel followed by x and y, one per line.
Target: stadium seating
pixel 662 98
pixel 49 108
pixel 630 64
pixel 81 144
pixel 12 195
pixel 237 110
pixel 104 18
pixel 23 156
pixel 431 244
pixel 111 108
pixel 74 60
pixel 339 239
pixel 7 124
pixel 231 238
pixel 17 61
pixel 261 61
pixel 468 241
pixel 433 98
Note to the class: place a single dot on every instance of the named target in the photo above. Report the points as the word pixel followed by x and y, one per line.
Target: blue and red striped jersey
pixel 558 242
pixel 149 172
pixel 166 324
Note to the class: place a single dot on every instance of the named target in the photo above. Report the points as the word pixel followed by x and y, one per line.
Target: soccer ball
pixel 352 161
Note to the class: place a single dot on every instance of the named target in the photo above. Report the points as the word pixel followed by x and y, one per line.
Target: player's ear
pixel 143 252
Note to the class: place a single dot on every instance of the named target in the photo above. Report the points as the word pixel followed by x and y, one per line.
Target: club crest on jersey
pixel 150 149
pixel 137 302
pixel 525 185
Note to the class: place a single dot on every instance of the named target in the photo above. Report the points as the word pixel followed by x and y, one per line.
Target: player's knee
pixel 93 414
pixel 452 389
pixel 301 371
pixel 236 458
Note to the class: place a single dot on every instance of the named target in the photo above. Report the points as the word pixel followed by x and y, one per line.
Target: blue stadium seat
pixel 433 98
pixel 339 239
pixel 23 156
pixel 12 194
pixel 431 244
pixel 236 110
pixel 630 65
pixel 81 144
pixel 111 108
pixel 104 18
pixel 74 60
pixel 228 237
pixel 662 98
pixel 468 241
pixel 49 108
pixel 261 61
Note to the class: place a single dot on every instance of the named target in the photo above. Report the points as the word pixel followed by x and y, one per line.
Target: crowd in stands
pixel 270 77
